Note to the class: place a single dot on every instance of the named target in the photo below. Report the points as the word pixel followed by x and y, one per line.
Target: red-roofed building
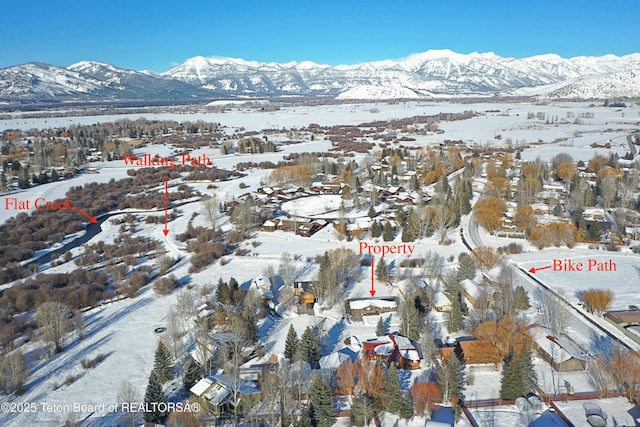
pixel 393 348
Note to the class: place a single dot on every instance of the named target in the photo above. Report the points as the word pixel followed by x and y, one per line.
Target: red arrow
pixel 373 278
pixel 533 269
pixel 166 205
pixel 91 218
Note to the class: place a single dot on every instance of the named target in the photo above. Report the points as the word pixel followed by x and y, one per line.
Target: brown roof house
pixel 470 352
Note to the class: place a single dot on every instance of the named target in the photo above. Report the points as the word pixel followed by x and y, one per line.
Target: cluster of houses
pixel 271 198
pixel 301 226
pixel 223 393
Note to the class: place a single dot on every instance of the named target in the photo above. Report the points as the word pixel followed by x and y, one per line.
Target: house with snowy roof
pixel 471 291
pixel 261 285
pixel 441 301
pixel 222 393
pixel 393 348
pixel 561 352
pixel 311 228
pixel 359 307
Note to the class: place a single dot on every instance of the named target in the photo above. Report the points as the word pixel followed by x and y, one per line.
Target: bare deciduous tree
pixel 608 189
pixel 433 267
pixel 287 269
pixel 552 313
pixel 13 372
pixel 78 323
pixel 598 376
pixel 52 320
pixel 277 392
pixel 485 257
pixel 173 337
pixel 506 282
pixel 211 210
pixel 128 394
pixel 186 303
pixel 287 298
pixel 445 220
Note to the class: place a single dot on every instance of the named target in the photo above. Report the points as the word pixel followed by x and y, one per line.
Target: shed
pixel 441 302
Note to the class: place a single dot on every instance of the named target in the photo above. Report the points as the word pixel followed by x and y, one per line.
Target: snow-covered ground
pixel 124 331
pixel 509 415
pixel 618 409
pixel 624 281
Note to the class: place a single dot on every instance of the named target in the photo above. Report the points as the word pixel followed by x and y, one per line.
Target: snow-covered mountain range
pixel 435 73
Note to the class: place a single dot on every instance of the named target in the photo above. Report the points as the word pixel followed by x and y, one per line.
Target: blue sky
pixel 160 34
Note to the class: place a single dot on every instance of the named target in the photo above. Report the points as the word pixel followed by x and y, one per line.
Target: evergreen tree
pixel 304 420
pixel 413 225
pixel 410 320
pixel 393 391
pixel 455 320
pixel 322 411
pixel 291 344
pixel 376 229
pixel 223 293
pixel 192 374
pixel 155 400
pixel 421 301
pixel 327 282
pixel 387 234
pixel 372 212
pixel 463 196
pixel 163 365
pixel 400 215
pixel 451 379
pixel 234 291
pixel 442 189
pixel 251 325
pixel 381 328
pixel 407 235
pixel 382 271
pixel 406 406
pixel 310 347
pixel 55 177
pixel 519 376
pixel 466 267
pixel 593 232
pixel 521 299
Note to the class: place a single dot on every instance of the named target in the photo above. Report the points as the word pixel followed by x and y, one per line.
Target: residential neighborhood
pixel 376 273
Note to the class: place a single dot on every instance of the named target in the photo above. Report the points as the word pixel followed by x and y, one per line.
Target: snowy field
pixel 508 120
pixel 624 282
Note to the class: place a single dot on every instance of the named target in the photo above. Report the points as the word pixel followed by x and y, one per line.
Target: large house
pixel 222 393
pixel 393 348
pixel 358 307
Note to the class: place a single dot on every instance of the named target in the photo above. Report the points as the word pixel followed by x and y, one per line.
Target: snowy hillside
pixel 434 73
pixel 616 85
